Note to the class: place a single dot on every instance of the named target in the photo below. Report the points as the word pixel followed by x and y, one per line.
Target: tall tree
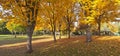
pixel 14 26
pixel 105 11
pixel 53 14
pixel 69 16
pixel 49 13
pixel 86 17
pixel 26 10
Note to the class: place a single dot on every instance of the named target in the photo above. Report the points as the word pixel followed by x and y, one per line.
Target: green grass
pixel 100 46
pixel 9 39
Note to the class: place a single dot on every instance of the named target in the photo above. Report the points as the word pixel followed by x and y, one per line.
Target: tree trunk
pixel 31 13
pixel 99 27
pixel 88 35
pixel 22 33
pixel 69 31
pixel 30 30
pixel 54 33
pixel 15 34
pixel 60 34
pixel 12 32
pixel 60 31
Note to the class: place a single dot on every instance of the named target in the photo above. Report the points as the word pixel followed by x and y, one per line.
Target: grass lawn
pixel 9 39
pixel 76 46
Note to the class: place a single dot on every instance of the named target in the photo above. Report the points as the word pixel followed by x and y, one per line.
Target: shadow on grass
pixel 67 47
pixel 4 40
pixel 40 48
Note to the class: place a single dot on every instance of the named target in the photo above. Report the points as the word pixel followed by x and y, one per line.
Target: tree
pixel 105 11
pixel 53 14
pixel 86 20
pixel 3 29
pixel 41 25
pixel 14 26
pixel 69 16
pixel 26 10
pixel 49 13
pixel 97 11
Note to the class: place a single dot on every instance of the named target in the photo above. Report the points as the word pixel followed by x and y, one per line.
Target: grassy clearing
pixel 9 39
pixel 101 46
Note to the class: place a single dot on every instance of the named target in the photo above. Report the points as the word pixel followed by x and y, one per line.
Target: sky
pixel 117 18
pixel 1 8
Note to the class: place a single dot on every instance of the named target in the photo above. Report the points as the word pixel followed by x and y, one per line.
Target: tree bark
pixel 22 33
pixel 30 30
pixel 69 31
pixel 54 33
pixel 54 24
pixel 60 34
pixel 99 27
pixel 30 12
pixel 99 23
pixel 12 32
pixel 15 34
pixel 88 35
pixel 60 31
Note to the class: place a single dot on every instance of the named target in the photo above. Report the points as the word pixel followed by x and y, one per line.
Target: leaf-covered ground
pixel 76 46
